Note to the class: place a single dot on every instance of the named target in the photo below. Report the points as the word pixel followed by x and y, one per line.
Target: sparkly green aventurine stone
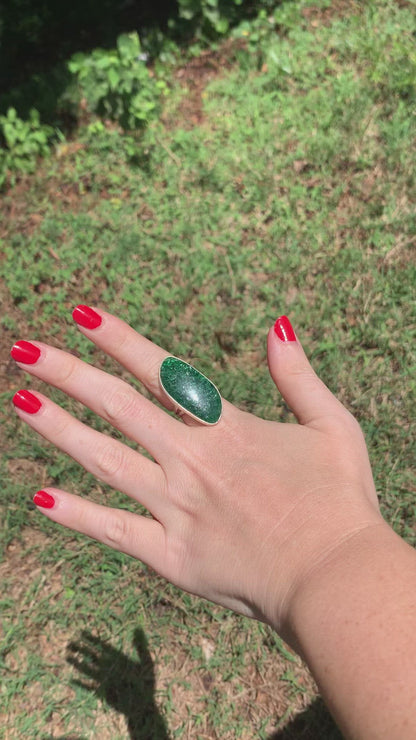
pixel 191 390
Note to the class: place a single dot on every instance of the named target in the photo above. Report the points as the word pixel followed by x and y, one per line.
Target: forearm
pixel 354 622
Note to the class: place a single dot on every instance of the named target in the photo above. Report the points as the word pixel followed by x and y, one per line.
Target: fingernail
pixel 43 499
pixel 86 317
pixel 26 401
pixel 25 352
pixel 284 329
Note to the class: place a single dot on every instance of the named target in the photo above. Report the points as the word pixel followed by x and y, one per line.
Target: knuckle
pixel 302 371
pixel 61 425
pixel 109 460
pixel 67 371
pixel 353 430
pixel 349 425
pixel 120 404
pixel 115 529
pixel 152 379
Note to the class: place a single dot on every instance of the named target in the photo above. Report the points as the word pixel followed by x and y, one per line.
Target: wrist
pixel 315 547
pixel 352 621
pixel 345 563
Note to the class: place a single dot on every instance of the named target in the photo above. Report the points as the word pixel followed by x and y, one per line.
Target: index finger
pixel 144 358
pixel 137 354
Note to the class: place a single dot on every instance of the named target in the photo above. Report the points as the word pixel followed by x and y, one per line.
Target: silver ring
pixel 190 391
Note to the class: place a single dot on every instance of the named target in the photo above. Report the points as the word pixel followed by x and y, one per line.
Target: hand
pixel 242 512
pixel 120 680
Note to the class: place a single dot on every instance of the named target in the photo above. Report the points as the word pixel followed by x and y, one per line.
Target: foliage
pixel 37 34
pixel 215 17
pixel 212 13
pixel 116 84
pixel 23 143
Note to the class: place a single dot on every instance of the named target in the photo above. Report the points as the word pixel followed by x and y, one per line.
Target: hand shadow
pixel 127 685
pixel 315 723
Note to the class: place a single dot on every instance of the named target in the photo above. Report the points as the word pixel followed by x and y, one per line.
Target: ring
pixel 191 391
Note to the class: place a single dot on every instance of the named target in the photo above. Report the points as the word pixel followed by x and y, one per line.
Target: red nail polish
pixel 86 317
pixel 284 329
pixel 26 401
pixel 43 499
pixel 25 352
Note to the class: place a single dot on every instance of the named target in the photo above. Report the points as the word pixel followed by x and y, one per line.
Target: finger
pixel 107 459
pixel 137 354
pixel 135 535
pixel 308 397
pixel 112 398
pixel 86 653
pixel 92 671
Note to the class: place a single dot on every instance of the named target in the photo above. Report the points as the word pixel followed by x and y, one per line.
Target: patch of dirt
pixel 14 212
pixel 337 9
pixel 194 77
pixel 259 696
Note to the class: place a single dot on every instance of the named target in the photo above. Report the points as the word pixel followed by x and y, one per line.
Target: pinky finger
pixel 136 535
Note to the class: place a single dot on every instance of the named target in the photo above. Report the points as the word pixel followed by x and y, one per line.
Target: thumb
pixel 308 397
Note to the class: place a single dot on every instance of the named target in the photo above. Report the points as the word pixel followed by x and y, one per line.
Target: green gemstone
pixel 190 390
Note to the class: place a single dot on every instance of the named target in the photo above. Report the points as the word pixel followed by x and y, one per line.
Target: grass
pixel 293 194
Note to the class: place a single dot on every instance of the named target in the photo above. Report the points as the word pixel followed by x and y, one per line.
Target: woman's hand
pixel 243 512
pixel 276 521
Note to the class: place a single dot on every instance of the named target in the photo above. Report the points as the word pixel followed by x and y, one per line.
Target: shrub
pixel 23 143
pixel 116 83
pixel 215 17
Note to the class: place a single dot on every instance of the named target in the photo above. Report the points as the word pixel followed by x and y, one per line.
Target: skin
pixel 279 522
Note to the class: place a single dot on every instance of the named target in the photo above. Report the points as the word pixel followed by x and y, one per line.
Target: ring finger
pixel 107 459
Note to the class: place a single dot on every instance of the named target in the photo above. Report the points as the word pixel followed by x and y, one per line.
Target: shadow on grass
pixel 128 686
pixel 315 723
pixel 125 684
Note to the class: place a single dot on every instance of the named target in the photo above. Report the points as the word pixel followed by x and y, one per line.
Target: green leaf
pixel 128 46
pixel 76 62
pixel 113 78
pixel 9 132
pixel 104 62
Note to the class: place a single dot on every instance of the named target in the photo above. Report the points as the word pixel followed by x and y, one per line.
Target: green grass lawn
pixel 294 193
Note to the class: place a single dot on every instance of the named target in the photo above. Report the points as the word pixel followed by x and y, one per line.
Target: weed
pixel 22 143
pixel 116 84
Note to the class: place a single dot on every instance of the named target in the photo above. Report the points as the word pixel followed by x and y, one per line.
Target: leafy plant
pixel 117 84
pixel 215 17
pixel 23 143
pixel 207 11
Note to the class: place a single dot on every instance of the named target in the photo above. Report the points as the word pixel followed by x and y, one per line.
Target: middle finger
pixel 107 459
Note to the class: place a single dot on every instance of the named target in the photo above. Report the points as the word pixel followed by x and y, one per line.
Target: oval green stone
pixel 191 390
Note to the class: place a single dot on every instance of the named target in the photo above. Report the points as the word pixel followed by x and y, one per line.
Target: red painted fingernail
pixel 284 329
pixel 43 499
pixel 86 317
pixel 26 401
pixel 25 352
